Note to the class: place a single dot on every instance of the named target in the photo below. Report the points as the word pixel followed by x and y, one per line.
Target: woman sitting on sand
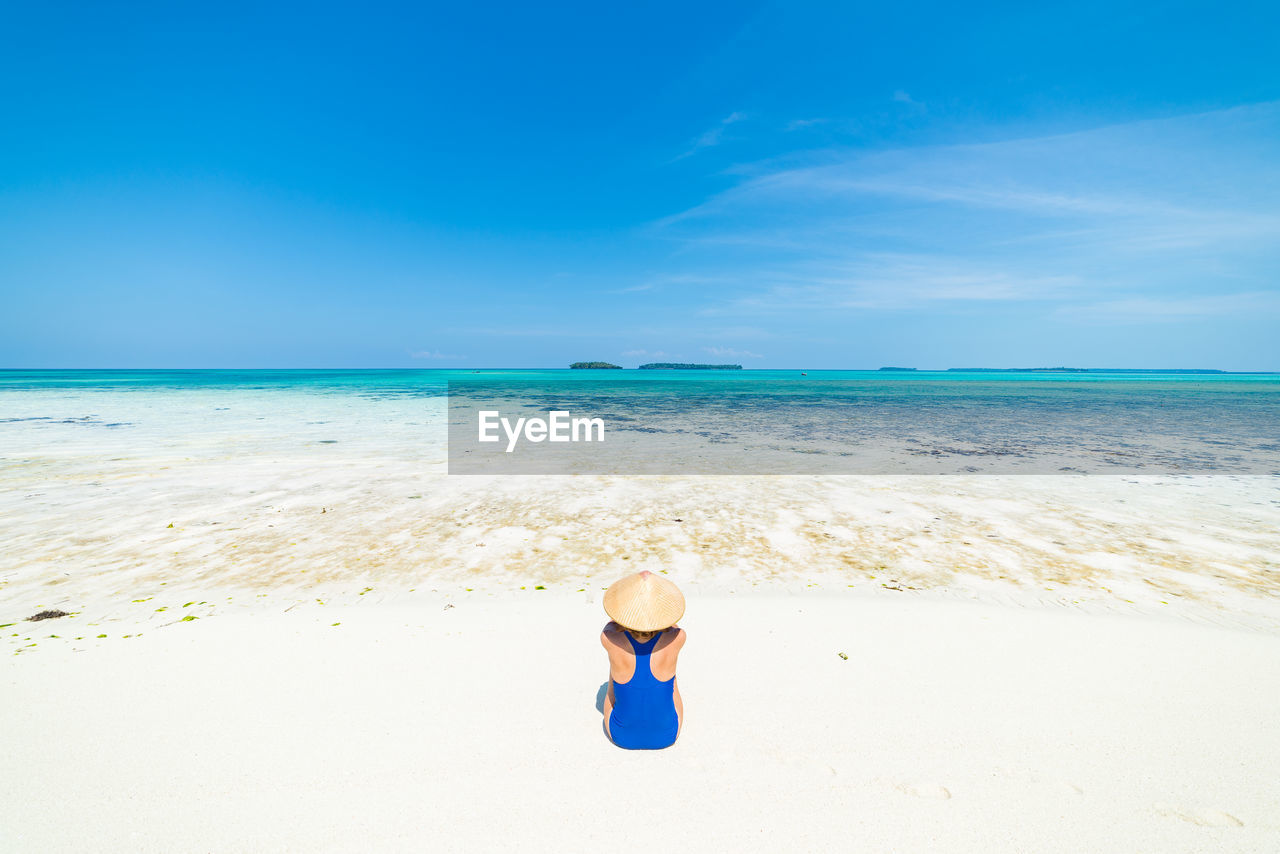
pixel 642 707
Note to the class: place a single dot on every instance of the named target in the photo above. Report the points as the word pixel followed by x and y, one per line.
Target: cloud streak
pixel 1154 309
pixel 432 354
pixel 731 353
pixel 1164 219
pixel 711 137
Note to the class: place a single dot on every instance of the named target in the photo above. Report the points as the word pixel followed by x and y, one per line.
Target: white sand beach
pixel 410 725
pixel 298 636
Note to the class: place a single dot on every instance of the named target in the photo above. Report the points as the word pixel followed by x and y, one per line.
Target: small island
pixel 581 366
pixel 685 366
pixel 895 368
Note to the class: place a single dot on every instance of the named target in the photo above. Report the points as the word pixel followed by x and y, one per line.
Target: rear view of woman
pixel 642 707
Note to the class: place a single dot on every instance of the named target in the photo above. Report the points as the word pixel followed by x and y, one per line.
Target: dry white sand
pixel 1034 663
pixel 410 726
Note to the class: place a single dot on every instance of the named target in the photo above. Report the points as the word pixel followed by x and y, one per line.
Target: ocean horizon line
pixel 875 370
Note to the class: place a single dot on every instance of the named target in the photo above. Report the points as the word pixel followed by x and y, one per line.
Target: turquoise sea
pixel 727 422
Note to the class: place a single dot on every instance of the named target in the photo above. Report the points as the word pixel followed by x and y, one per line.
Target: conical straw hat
pixel 644 602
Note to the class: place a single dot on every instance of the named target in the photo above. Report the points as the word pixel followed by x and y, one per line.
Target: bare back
pixel 622 656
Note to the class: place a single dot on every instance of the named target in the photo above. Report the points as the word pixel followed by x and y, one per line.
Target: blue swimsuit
pixel 644 710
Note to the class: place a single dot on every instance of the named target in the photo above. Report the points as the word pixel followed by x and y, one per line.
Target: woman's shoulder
pixel 673 636
pixel 611 635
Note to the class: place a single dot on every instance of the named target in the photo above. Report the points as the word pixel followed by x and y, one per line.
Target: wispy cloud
pixel 890 282
pixel 566 331
pixel 801 124
pixel 712 136
pixel 649 354
pixel 432 354
pixel 731 353
pixel 1155 219
pixel 666 280
pixel 1149 309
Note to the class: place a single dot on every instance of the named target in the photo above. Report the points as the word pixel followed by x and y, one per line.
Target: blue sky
pixel 790 185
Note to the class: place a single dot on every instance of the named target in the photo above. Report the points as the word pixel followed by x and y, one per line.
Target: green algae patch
pixel 188 618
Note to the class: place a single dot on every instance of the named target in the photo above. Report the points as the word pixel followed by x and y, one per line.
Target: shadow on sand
pixel 604 689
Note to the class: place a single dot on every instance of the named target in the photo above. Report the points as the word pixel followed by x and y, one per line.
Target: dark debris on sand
pixel 46 615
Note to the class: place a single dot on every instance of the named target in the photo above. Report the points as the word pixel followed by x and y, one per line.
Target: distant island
pixel 594 365
pixel 684 366
pixel 891 368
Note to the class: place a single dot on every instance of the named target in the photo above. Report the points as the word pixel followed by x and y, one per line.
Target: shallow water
pixel 726 422
pixel 110 489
